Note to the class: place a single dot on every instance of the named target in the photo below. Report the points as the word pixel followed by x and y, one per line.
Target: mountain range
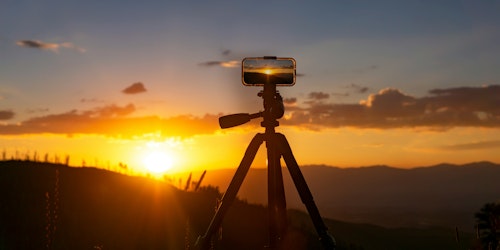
pixel 441 195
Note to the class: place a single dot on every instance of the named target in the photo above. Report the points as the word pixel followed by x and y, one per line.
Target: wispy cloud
pixel 36 44
pixel 224 64
pixel 135 88
pixel 391 108
pixel 38 110
pixel 6 114
pixel 91 100
pixel 318 95
pixel 111 111
pixel 473 146
pixel 358 88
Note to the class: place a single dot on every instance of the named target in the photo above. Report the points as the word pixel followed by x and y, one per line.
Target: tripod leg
pixel 276 194
pixel 304 192
pixel 228 198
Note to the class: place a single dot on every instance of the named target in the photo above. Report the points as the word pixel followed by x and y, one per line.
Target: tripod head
pixel 269 72
pixel 273 109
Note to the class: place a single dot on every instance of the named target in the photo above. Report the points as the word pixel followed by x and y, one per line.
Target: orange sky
pixel 344 147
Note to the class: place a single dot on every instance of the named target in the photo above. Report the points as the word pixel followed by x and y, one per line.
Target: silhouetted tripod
pixel 277 147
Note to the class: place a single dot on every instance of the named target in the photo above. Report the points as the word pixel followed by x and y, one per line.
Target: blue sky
pixel 411 45
pixel 58 57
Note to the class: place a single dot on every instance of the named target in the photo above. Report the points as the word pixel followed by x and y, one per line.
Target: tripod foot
pixel 201 243
pixel 328 241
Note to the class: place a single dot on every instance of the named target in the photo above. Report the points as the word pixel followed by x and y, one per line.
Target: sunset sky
pixel 401 83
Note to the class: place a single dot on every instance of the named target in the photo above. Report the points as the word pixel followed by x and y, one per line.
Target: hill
pixel 48 206
pixel 443 195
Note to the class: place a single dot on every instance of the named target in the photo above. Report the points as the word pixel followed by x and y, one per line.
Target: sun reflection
pixel 268 71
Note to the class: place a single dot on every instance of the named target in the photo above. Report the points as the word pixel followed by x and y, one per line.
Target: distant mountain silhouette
pixel 440 195
pixel 51 206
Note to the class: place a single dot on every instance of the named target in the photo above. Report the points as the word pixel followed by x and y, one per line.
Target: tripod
pixel 277 147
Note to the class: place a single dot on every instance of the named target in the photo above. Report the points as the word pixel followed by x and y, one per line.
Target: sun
pixel 158 162
pixel 159 157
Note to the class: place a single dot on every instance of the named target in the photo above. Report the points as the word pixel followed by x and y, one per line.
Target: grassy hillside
pixel 48 206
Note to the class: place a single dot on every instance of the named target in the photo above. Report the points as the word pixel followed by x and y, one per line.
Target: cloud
pixel 111 111
pixel 224 64
pixel 340 94
pixel 135 88
pixel 39 110
pixel 72 46
pixel 6 114
pixel 115 121
pixel 366 69
pixel 391 108
pixel 226 52
pixel 91 100
pixel 318 95
pixel 36 44
pixel 352 88
pixel 290 101
pixel 469 99
pixel 358 88
pixel 473 146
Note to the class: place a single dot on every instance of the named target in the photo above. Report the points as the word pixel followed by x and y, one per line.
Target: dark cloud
pixel 226 52
pixel 36 44
pixel 114 121
pixel 6 115
pixel 351 89
pixel 318 95
pixel 290 101
pixel 224 64
pixel 135 88
pixel 473 146
pixel 358 88
pixel 468 99
pixel 391 108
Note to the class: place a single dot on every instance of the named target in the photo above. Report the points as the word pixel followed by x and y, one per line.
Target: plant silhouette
pixel 488 225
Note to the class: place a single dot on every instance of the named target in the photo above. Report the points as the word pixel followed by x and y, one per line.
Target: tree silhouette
pixel 488 226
